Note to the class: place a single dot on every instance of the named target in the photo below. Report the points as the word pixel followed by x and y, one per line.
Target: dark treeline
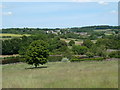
pixel 91 28
pixel 57 46
pixel 20 45
pixel 74 29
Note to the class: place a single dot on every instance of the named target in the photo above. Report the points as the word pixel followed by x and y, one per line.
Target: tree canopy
pixel 37 53
pixel 72 42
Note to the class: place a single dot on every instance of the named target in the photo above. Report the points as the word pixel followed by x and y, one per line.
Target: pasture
pixel 5 36
pixel 13 35
pixel 102 74
pixel 101 30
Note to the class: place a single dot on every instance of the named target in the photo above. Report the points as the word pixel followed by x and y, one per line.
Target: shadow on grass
pixel 37 67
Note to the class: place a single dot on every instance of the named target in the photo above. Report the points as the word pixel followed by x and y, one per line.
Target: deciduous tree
pixel 37 53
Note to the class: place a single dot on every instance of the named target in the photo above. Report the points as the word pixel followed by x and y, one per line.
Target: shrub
pixel 72 42
pixel 98 50
pixel 68 54
pixel 6 36
pixel 8 60
pixel 114 54
pixel 87 59
pixel 11 46
pixel 90 54
pixel 54 58
pixel 77 49
pixel 65 60
pixel 88 43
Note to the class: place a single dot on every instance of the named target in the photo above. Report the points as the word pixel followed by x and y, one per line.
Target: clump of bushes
pixel 65 60
pixel 90 54
pixel 80 50
pixel 54 58
pixel 87 59
pixel 72 42
pixel 114 54
pixel 6 36
pixel 8 60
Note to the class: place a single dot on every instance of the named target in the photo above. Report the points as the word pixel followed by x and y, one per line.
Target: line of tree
pixel 74 29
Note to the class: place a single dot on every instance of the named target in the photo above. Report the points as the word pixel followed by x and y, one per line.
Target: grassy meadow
pixel 13 35
pixel 102 30
pixel 102 74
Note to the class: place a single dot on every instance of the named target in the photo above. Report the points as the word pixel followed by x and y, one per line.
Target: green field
pixel 102 74
pixel 101 30
pixel 2 35
pixel 13 35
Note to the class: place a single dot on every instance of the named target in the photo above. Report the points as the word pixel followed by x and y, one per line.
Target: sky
pixel 58 14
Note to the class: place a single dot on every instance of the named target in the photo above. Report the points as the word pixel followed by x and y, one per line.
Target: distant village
pixel 59 32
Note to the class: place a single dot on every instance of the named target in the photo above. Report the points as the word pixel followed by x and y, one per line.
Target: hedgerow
pixel 87 59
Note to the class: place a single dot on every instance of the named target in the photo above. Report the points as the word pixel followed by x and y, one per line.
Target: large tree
pixel 88 43
pixel 11 46
pixel 37 53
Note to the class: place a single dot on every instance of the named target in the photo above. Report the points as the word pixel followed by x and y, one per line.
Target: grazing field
pixel 13 35
pixel 6 36
pixel 102 74
pixel 102 30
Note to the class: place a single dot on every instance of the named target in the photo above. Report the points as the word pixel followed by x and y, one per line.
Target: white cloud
pixel 102 3
pixel 7 13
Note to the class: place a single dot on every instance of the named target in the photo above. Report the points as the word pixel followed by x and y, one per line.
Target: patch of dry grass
pixel 79 42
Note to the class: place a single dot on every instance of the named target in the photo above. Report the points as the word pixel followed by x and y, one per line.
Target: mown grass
pixel 102 74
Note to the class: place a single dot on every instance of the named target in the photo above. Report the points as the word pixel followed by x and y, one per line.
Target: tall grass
pixel 102 74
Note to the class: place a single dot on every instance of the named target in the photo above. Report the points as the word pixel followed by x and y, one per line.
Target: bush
pixel 77 49
pixel 6 36
pixel 65 60
pixel 8 60
pixel 68 54
pixel 90 54
pixel 72 42
pixel 87 59
pixel 98 50
pixel 88 43
pixel 114 54
pixel 54 58
pixel 11 46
